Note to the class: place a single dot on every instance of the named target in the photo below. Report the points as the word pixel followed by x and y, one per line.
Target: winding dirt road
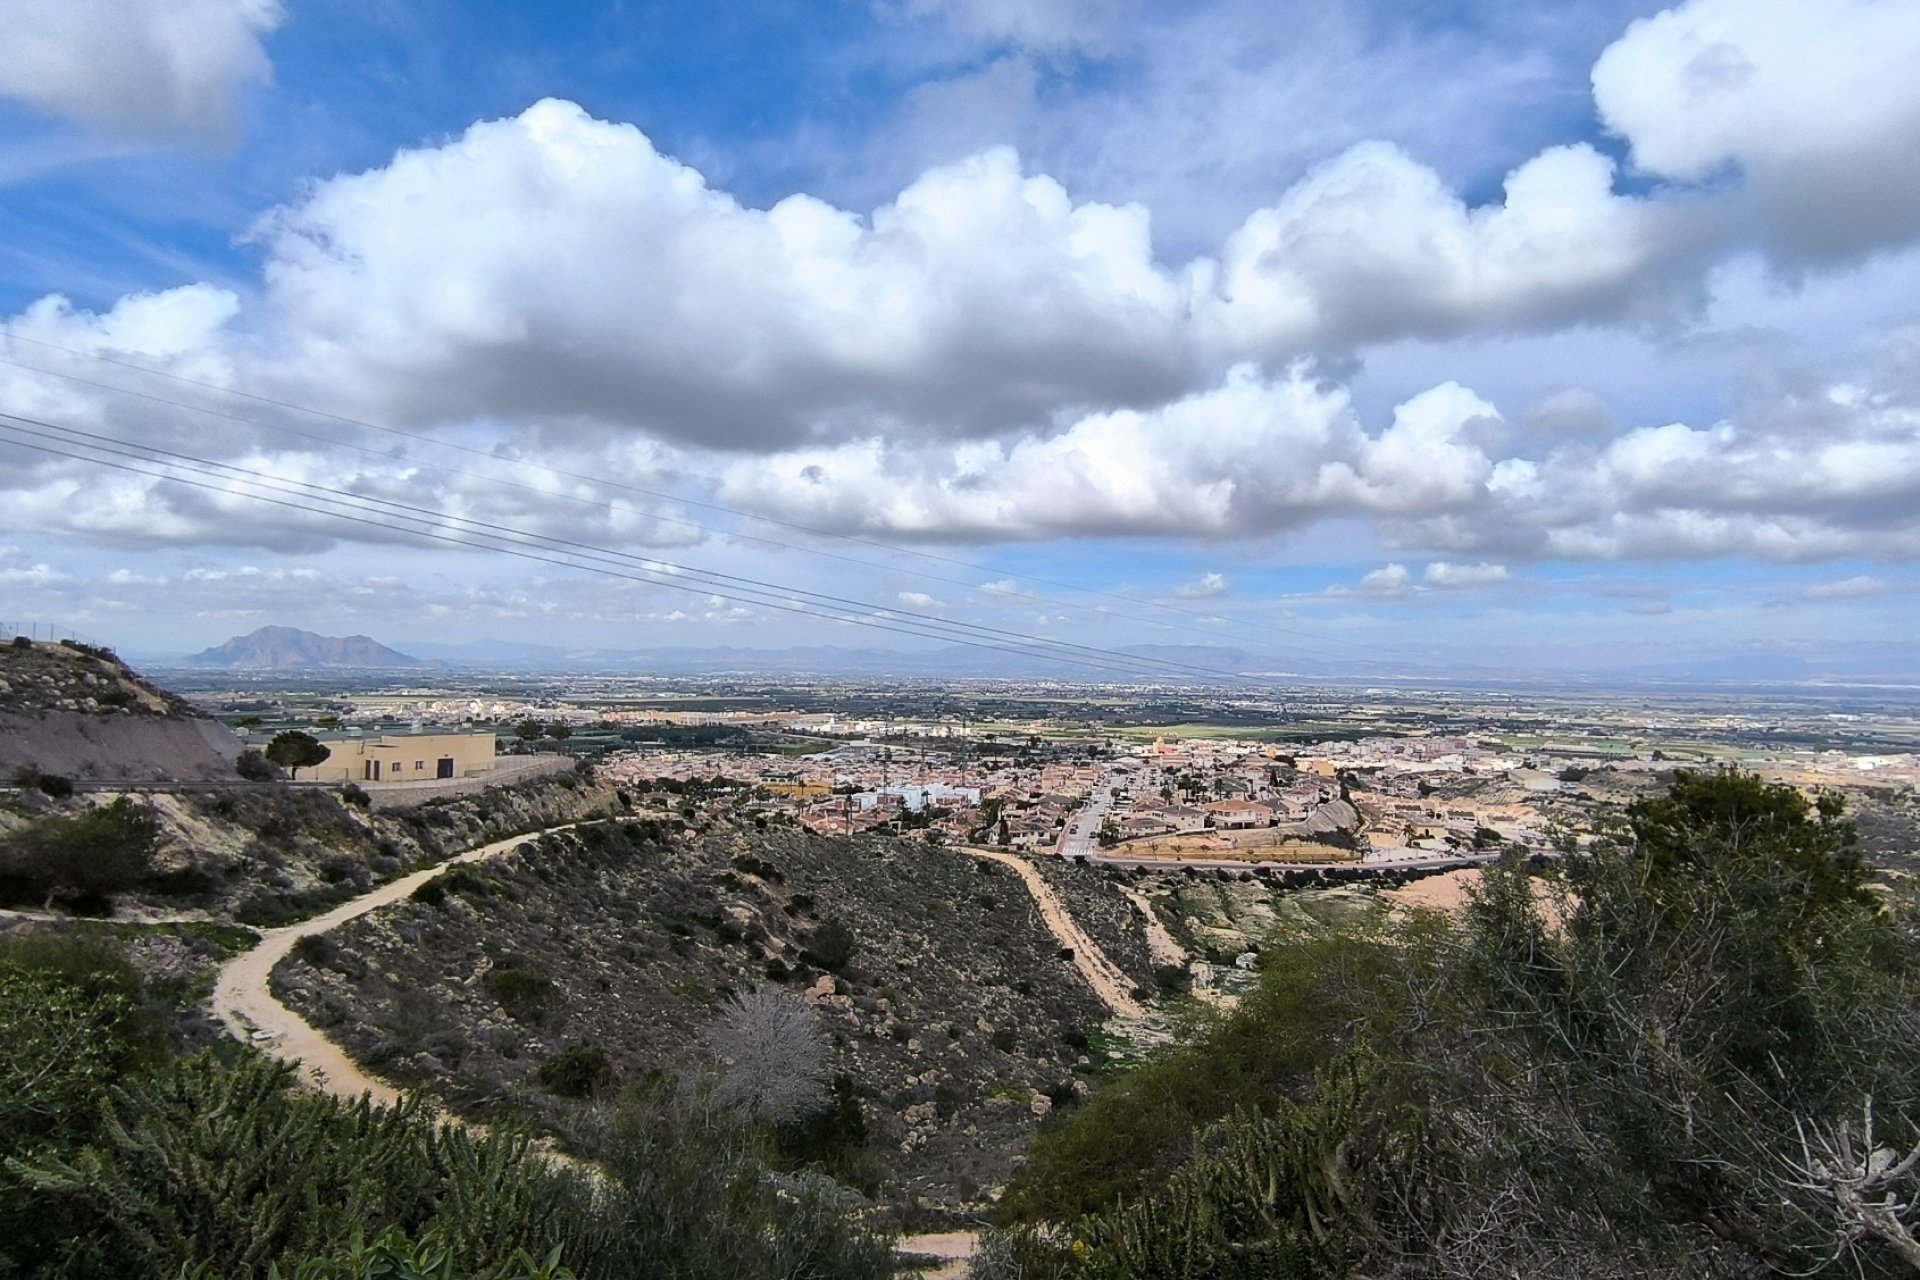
pixel 1113 987
pixel 243 1000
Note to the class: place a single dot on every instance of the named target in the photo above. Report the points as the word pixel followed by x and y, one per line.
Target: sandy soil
pixel 1160 943
pixel 1113 987
pixel 1241 846
pixel 1449 893
pixel 1446 892
pixel 101 748
pixel 952 1249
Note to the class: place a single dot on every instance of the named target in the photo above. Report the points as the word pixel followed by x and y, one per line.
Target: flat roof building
pixel 377 759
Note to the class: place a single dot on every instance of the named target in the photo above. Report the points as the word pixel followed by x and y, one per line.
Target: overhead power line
pixel 421 522
pixel 1344 646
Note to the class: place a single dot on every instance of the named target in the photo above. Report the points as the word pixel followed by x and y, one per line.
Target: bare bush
pixel 773 1058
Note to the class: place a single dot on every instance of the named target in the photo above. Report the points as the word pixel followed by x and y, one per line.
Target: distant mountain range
pixel 288 649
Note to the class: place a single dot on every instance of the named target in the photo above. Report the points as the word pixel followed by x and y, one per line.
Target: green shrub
pixel 73 1020
pixel 836 1138
pixel 82 860
pixel 1315 991
pixel 578 1071
pixel 1672 1078
pixel 252 766
pixel 208 1169
pixel 525 995
pixel 697 1199
pixel 832 945
pixel 394 1257
pixel 166 1191
pixel 316 949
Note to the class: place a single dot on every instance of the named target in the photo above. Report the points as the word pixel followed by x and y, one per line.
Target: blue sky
pixel 1578 337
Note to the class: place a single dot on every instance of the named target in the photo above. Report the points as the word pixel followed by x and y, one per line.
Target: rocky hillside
pixel 266 857
pixel 288 649
pixel 953 1015
pixel 78 712
pixel 271 853
pixel 69 676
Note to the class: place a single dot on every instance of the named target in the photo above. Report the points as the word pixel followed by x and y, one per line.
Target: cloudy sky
pixel 1525 334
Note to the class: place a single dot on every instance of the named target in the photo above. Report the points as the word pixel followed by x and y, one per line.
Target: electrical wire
pixel 406 519
pixel 1345 646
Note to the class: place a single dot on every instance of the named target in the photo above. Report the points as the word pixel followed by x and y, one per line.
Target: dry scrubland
pixel 953 1016
pixel 269 854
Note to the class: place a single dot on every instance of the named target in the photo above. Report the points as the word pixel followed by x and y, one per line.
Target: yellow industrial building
pixel 403 757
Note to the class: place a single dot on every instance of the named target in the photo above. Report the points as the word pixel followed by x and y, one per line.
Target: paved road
pixel 242 999
pixel 1081 839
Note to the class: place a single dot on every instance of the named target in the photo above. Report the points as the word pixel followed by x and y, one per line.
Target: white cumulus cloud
pixel 1252 455
pixel 1207 586
pixel 557 265
pixel 146 68
pixel 1373 245
pixel 1814 105
pixel 1388 580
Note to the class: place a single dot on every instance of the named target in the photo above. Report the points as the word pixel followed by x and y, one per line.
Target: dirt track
pixel 952 1251
pixel 1445 893
pixel 1113 987
pixel 242 999
pixel 1160 943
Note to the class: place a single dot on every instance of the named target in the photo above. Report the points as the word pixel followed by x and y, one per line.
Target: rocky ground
pixel 78 713
pixel 1889 823
pixel 76 677
pixel 955 1018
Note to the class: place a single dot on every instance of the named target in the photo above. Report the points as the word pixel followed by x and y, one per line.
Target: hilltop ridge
pixel 79 712
pixel 66 675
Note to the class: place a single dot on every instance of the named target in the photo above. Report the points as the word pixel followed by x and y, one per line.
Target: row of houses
pixel 1151 818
